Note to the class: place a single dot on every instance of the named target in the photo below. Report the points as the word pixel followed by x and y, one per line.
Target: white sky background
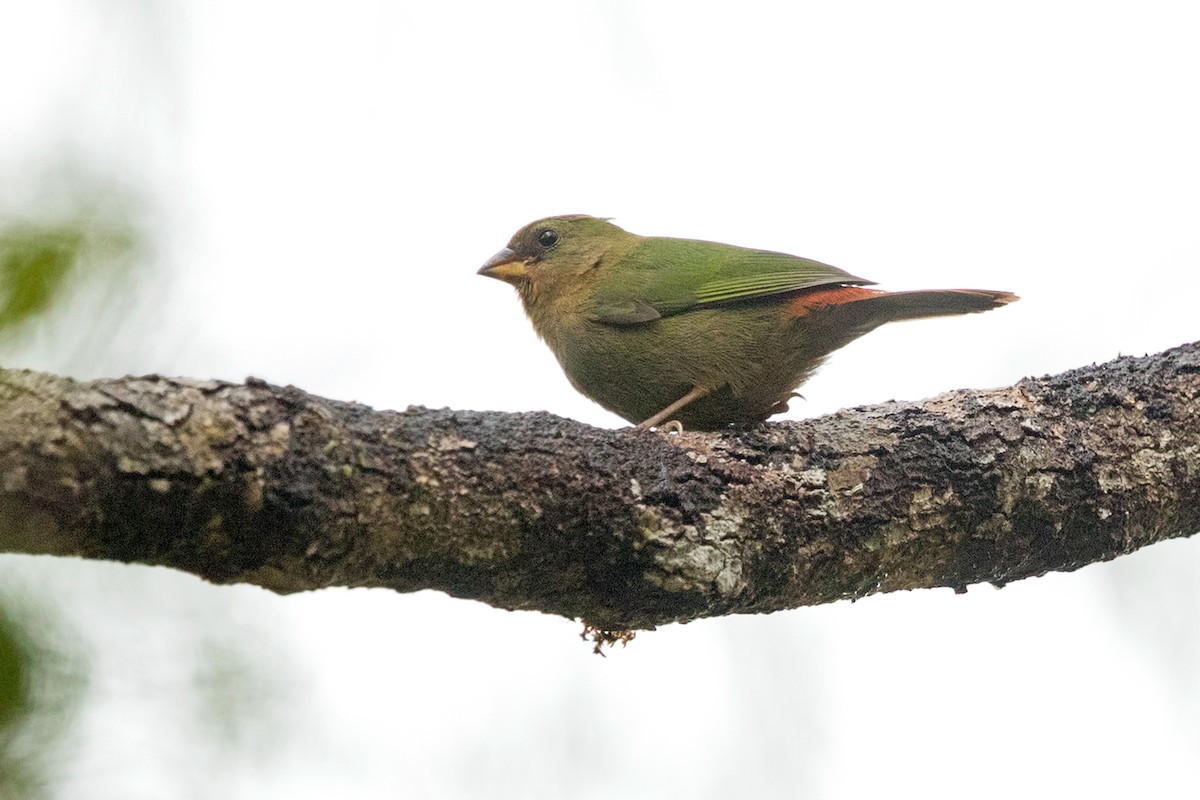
pixel 325 180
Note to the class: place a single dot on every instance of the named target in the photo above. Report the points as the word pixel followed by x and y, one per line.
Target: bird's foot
pixel 782 405
pixel 672 426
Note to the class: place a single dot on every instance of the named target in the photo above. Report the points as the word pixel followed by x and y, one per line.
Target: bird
pixel 695 334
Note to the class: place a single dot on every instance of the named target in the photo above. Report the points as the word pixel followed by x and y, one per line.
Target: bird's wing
pixel 661 277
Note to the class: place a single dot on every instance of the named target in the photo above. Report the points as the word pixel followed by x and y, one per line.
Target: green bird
pixel 698 333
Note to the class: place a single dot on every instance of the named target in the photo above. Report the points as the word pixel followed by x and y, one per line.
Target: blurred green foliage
pixel 74 271
pixel 75 243
pixel 41 262
pixel 39 696
pixel 15 778
pixel 34 264
pixel 13 690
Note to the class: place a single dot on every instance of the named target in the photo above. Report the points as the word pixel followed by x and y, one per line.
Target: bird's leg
pixel 695 394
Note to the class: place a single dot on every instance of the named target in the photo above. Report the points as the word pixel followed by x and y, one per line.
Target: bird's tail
pixel 865 309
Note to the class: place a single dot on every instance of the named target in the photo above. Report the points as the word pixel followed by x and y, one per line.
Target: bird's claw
pixel 782 405
pixel 672 426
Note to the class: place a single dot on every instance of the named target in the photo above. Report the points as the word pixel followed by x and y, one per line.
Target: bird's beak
pixel 503 267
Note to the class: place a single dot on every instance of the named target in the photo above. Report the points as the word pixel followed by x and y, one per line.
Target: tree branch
pixel 271 486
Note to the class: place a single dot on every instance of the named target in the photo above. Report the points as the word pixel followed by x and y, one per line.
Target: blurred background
pixel 303 191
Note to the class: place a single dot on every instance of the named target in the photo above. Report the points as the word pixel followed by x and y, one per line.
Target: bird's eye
pixel 548 238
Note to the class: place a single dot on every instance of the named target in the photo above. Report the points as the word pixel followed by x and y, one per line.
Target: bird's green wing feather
pixel 661 277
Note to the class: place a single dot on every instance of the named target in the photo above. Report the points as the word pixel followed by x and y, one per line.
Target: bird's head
pixel 556 257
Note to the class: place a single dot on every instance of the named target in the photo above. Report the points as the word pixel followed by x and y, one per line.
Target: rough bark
pixel 272 486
